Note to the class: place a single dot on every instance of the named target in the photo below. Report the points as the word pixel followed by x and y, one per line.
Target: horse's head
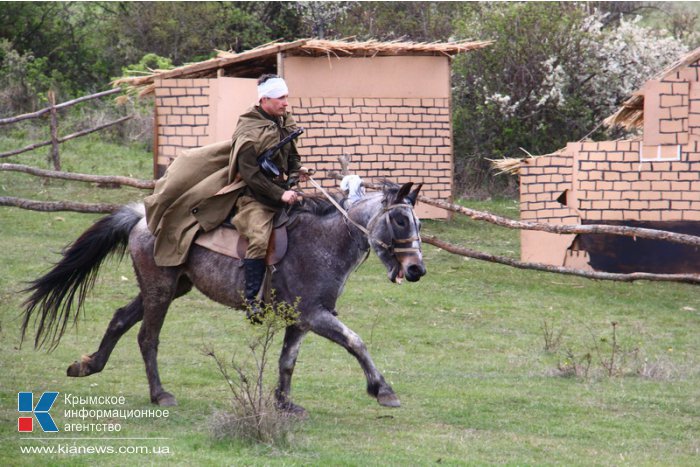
pixel 394 233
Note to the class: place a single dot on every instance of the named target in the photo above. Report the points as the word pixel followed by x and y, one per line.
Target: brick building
pixel 652 181
pixel 386 105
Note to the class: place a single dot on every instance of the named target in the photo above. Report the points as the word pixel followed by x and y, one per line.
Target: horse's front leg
pixel 330 327
pixel 288 359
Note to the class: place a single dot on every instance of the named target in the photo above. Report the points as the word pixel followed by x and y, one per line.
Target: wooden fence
pixel 55 140
pixel 454 249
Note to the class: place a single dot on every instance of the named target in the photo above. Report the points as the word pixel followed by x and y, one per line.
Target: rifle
pixel 265 159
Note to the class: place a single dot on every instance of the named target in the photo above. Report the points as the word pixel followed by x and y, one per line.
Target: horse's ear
pixel 413 196
pixel 402 193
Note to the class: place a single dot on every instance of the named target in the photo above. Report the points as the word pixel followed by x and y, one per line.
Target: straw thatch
pixel 252 63
pixel 511 165
pixel 631 114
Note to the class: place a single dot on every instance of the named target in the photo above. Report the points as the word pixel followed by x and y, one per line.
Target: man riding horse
pixel 203 186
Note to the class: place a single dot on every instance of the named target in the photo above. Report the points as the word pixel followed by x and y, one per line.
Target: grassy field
pixel 464 349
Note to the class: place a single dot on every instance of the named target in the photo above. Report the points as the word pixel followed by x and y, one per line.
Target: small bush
pixel 552 338
pixel 604 356
pixel 253 417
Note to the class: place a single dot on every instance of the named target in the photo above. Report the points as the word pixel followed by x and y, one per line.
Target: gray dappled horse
pixel 324 248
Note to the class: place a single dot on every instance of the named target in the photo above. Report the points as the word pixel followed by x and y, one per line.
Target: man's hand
pixel 290 197
pixel 305 173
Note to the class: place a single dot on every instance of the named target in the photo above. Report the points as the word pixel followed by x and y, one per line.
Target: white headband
pixel 273 87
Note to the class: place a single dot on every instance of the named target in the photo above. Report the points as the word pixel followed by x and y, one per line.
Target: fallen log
pixel 51 206
pixel 608 276
pixel 111 179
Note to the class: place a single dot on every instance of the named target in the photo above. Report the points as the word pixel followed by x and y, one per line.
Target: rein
pixel 370 225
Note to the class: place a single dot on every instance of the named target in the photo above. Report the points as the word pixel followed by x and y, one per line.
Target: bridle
pixel 394 241
pixel 384 212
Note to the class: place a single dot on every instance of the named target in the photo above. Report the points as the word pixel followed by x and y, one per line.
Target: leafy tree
pixel 22 79
pixel 191 31
pixel 62 36
pixel 410 21
pixel 554 72
pixel 322 17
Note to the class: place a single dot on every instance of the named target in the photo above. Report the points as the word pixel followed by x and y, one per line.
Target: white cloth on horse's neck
pixel 352 184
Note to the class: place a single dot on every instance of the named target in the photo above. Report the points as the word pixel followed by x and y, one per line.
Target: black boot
pixel 254 274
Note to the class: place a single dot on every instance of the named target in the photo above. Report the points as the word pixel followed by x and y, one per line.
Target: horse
pixel 325 245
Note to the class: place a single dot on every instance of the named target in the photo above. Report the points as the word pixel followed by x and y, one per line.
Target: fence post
pixel 54 132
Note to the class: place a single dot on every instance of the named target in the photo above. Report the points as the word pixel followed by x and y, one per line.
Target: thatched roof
pixel 252 63
pixel 511 165
pixel 631 114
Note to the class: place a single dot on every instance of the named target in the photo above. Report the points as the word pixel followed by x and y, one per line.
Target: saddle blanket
pixel 227 241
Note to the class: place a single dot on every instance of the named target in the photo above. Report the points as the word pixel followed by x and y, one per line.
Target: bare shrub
pixel 659 370
pixel 253 416
pixel 552 338
pixel 603 356
pixel 574 366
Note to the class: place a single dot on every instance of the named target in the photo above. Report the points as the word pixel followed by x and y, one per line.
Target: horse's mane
pixel 389 187
pixel 317 205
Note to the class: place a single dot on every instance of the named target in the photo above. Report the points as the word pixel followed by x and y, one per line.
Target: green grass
pixel 463 348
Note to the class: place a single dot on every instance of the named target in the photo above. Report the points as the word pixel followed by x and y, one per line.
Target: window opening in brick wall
pixel 659 153
pixel 562 199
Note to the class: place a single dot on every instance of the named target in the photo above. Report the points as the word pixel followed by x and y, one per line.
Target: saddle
pixel 226 240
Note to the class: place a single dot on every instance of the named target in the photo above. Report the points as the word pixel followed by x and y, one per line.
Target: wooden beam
pixel 608 276
pixel 224 62
pixel 112 179
pixel 51 206
pixel 46 110
pixel 65 138
pixel 561 229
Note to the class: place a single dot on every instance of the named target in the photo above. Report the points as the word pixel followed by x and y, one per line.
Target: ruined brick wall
pixel 655 179
pixel 182 118
pixel 543 180
pixel 694 103
pixel 667 107
pixel 607 181
pixel 397 138
pixel 615 185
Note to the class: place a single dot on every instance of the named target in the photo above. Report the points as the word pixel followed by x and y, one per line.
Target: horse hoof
pixel 388 399
pixel 79 367
pixel 165 399
pixel 293 410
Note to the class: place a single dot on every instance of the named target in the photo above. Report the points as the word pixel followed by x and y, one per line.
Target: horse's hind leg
pixel 123 320
pixel 330 327
pixel 160 294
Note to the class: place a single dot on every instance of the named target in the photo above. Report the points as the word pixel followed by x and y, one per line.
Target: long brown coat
pixel 200 188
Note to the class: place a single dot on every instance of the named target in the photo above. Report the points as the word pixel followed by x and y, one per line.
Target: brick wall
pixel 667 107
pixel 542 181
pixel 402 139
pixel 613 184
pixel 182 113
pixel 694 101
pixel 654 179
pixel 398 138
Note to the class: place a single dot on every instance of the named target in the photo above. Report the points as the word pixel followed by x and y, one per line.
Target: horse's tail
pixel 53 293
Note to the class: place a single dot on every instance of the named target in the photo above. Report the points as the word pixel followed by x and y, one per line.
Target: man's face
pixel 275 107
